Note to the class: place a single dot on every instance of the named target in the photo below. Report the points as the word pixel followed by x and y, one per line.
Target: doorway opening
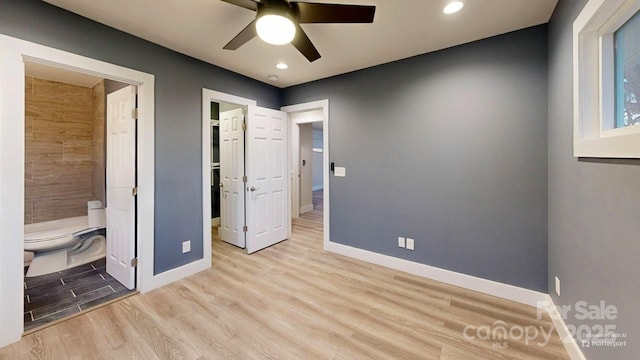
pixel 227 172
pixel 254 192
pixel 212 161
pixel 12 162
pixel 309 124
pixel 68 183
pixel 311 166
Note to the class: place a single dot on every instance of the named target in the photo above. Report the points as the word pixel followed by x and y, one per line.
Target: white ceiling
pixel 46 72
pixel 402 28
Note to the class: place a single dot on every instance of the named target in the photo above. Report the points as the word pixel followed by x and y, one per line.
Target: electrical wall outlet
pixel 557 286
pixel 400 241
pixel 186 246
pixel 410 244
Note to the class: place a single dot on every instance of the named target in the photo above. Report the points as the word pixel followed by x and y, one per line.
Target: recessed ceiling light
pixel 453 7
pixel 273 77
pixel 282 66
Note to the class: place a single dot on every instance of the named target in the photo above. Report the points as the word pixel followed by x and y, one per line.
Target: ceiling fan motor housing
pixel 276 7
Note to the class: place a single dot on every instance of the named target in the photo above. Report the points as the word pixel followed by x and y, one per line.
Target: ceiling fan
pixel 278 22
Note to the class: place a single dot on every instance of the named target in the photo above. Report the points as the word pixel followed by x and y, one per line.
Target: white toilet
pixel 61 244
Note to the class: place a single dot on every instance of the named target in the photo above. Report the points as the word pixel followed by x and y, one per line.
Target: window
pixel 607 80
pixel 627 70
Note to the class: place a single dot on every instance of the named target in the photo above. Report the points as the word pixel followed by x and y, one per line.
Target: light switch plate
pixel 340 171
pixel 400 241
pixel 410 244
pixel 186 246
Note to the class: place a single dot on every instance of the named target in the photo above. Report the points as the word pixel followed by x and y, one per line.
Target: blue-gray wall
pixel 594 209
pixel 179 80
pixel 449 148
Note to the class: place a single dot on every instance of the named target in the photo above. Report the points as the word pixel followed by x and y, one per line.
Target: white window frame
pixel 594 133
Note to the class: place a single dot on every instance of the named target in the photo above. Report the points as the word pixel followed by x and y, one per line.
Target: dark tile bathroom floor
pixel 54 296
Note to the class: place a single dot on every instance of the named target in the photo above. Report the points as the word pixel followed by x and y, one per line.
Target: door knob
pixel 221 185
pixel 253 188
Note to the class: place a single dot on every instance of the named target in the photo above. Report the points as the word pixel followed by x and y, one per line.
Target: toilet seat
pixel 53 235
pixel 50 243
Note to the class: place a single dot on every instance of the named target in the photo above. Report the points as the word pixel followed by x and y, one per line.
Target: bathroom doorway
pixel 12 122
pixel 67 122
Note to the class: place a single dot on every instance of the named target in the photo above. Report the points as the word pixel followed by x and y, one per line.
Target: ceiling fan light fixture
pixel 278 22
pixel 453 7
pixel 275 29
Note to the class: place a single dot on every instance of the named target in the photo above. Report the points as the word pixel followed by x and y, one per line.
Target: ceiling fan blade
pixel 304 45
pixel 243 37
pixel 247 4
pixel 333 13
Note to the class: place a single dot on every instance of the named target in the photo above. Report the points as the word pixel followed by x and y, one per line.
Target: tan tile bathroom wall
pixel 59 139
pixel 97 148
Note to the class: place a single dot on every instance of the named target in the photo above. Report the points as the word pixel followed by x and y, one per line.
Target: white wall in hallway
pixel 317 159
pixel 306 172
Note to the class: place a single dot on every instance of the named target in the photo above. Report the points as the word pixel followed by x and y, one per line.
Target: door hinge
pixel 244 179
pixel 134 113
pixel 134 262
pixel 244 126
pixel 134 191
pixel 244 228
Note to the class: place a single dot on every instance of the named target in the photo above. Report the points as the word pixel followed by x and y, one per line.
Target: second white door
pixel 267 170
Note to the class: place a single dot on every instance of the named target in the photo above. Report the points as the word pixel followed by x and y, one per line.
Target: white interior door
pixel 121 180
pixel 232 197
pixel 267 170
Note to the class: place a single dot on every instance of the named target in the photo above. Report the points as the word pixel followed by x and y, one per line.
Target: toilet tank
pixel 96 214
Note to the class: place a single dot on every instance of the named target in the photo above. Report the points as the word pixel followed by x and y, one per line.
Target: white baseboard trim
pixel 176 274
pixel 306 209
pixel 570 344
pixel 317 187
pixel 506 291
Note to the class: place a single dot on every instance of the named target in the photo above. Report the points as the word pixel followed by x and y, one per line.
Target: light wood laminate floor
pixel 293 301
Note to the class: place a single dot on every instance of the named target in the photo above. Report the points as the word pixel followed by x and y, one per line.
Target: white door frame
pixel 307 116
pixel 13 53
pixel 297 160
pixel 294 142
pixel 207 97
